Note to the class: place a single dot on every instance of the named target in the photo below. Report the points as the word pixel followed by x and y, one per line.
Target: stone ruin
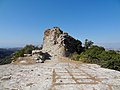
pixel 57 43
pixel 39 56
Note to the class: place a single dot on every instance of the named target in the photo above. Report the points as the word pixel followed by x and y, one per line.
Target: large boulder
pixel 58 43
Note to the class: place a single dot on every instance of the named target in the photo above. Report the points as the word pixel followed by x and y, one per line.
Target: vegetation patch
pixel 98 55
pixel 6 55
pixel 26 50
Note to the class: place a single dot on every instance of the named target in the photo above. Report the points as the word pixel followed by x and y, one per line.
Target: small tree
pixel 28 49
pixel 88 43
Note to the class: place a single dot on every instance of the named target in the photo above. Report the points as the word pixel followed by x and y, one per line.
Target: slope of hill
pixel 5 55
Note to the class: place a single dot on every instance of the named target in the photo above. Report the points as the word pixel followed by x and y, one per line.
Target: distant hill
pixel 5 54
pixel 116 49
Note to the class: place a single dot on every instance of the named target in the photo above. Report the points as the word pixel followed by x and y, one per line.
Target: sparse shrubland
pixel 26 50
pixel 9 55
pixel 75 56
pixel 98 55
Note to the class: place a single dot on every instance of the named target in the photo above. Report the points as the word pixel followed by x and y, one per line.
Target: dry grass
pixel 65 59
pixel 27 60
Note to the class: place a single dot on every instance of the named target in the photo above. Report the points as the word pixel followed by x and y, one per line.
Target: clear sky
pixel 24 21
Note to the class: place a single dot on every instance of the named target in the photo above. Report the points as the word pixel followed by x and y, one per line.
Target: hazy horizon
pixel 105 45
pixel 24 21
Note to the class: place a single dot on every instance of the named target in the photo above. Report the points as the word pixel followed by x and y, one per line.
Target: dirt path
pixel 58 74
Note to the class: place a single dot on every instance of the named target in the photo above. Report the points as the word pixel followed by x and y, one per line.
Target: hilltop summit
pixel 57 72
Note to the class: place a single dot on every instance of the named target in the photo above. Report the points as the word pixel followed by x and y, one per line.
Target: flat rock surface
pixel 58 75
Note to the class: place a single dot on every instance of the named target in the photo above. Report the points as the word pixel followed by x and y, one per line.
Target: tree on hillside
pixel 88 44
pixel 79 47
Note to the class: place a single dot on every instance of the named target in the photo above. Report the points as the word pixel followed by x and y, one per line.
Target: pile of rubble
pixel 39 56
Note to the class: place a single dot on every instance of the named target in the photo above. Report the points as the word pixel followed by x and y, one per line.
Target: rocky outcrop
pixel 58 43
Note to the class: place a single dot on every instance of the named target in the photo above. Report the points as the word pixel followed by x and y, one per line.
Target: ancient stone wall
pixel 58 43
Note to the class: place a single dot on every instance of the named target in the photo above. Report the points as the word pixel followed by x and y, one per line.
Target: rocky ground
pixel 57 74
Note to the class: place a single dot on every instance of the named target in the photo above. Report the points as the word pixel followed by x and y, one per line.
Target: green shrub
pixel 91 55
pixel 108 59
pixel 6 60
pixel 26 50
pixel 113 62
pixel 75 57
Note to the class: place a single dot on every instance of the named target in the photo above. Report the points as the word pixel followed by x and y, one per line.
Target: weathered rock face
pixel 58 43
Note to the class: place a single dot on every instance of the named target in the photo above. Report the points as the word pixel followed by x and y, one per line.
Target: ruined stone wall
pixel 58 43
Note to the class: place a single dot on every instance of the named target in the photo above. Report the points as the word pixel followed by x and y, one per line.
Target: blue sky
pixel 24 21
